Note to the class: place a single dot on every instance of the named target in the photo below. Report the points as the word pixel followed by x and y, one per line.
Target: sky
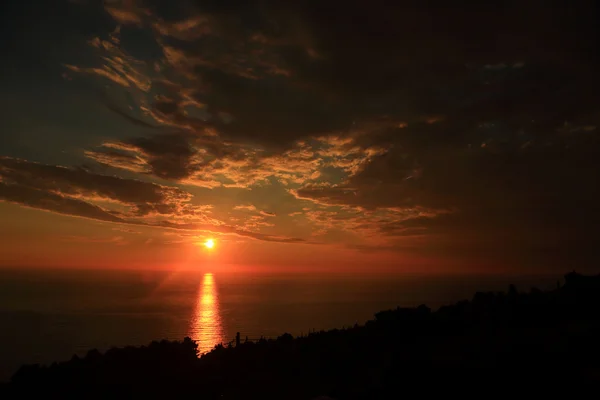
pixel 303 135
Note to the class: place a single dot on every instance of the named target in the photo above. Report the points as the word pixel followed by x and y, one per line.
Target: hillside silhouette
pixel 513 340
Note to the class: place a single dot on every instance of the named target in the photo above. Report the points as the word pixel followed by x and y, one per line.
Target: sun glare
pixel 209 244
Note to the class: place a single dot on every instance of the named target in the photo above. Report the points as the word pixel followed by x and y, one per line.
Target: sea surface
pixel 48 316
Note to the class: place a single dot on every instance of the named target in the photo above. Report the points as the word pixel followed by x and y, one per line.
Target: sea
pixel 49 315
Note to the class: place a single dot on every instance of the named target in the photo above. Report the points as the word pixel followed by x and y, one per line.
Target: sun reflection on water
pixel 206 325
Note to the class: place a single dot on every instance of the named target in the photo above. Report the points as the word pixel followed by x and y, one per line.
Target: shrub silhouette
pixel 514 339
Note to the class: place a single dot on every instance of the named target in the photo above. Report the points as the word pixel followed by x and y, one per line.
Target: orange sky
pixel 34 238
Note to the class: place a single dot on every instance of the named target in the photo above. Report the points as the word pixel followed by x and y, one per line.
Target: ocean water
pixel 48 316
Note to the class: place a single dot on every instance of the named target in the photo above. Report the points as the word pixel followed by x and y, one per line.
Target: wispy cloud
pixel 79 193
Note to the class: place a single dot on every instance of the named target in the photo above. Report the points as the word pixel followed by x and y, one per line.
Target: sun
pixel 209 243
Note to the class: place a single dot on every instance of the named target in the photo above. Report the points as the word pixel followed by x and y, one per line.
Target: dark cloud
pixel 74 192
pixel 517 201
pixel 54 202
pixel 80 183
pixel 406 60
pixel 128 117
pixel 169 156
pixel 174 156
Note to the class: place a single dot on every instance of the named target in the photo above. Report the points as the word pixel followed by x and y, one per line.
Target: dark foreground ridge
pixel 539 340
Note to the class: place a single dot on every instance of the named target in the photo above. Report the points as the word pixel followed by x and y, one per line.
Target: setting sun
pixel 209 244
